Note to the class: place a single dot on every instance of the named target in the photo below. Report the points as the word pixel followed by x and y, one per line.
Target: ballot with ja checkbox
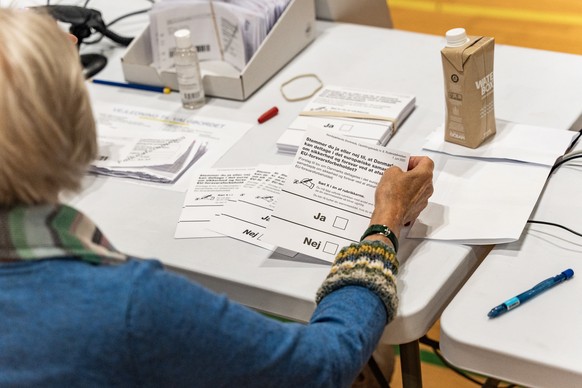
pixel 340 223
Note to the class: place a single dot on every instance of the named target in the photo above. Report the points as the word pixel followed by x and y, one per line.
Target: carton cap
pixel 456 37
pixel 183 38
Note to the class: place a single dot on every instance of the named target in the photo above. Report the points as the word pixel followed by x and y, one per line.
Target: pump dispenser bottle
pixel 188 71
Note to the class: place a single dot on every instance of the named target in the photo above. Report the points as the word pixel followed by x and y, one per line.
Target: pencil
pixel 159 89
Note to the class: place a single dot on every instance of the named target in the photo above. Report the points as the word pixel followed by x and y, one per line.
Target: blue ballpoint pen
pixel 532 292
pixel 149 88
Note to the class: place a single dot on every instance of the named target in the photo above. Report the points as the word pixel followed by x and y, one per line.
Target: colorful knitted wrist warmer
pixel 370 264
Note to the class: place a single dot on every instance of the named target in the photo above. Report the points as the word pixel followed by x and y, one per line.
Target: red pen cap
pixel 268 115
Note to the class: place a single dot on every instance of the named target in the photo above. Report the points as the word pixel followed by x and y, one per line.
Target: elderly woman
pixel 76 312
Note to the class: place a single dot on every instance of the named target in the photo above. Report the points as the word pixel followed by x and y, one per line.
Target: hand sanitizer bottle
pixel 188 71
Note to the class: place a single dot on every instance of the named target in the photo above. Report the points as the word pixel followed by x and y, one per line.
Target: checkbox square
pixel 330 248
pixel 340 223
pixel 346 127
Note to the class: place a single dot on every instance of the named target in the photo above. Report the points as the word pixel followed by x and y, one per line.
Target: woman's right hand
pixel 401 196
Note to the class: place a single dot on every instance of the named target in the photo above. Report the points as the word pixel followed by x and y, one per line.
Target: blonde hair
pixel 47 130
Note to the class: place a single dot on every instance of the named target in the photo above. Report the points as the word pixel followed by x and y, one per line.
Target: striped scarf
pixel 52 231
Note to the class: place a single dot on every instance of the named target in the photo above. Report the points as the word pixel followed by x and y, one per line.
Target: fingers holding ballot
pixel 401 195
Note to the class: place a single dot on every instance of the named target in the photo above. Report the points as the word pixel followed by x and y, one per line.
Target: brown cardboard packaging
pixel 468 73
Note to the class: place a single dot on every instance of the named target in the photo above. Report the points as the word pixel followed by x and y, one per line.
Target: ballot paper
pixel 209 191
pixel 328 198
pixel 362 115
pixel 486 195
pixel 155 156
pixel 247 213
pixel 223 30
pixel 241 31
pixel 210 138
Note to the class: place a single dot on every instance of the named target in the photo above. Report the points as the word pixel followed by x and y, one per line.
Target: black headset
pixel 84 21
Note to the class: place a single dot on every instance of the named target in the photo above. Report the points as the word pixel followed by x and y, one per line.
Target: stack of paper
pixel 247 214
pixel 224 30
pixel 486 195
pixel 156 156
pixel 232 202
pixel 159 146
pixel 209 190
pixel 362 115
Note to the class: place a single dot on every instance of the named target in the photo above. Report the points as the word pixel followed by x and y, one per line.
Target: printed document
pixel 328 198
pixel 155 156
pixel 363 115
pixel 221 30
pixel 209 191
pixel 247 214
pixel 214 137
pixel 167 18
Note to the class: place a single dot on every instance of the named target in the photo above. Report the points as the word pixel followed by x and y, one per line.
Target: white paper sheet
pixel 194 16
pixel 337 101
pixel 216 136
pixel 480 202
pixel 362 115
pixel 152 156
pixel 485 195
pixel 154 149
pixel 526 143
pixel 328 198
pixel 247 214
pixel 209 191
pixel 226 30
pixel 236 28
